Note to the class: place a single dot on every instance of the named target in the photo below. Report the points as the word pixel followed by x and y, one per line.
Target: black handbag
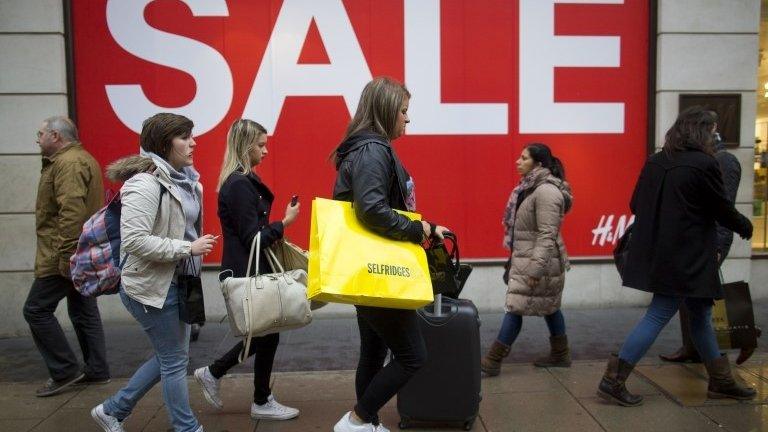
pixel 191 301
pixel 621 250
pixel 447 272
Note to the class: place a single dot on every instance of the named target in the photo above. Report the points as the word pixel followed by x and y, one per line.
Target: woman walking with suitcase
pixel 673 252
pixel 245 203
pixel 371 176
pixel 535 271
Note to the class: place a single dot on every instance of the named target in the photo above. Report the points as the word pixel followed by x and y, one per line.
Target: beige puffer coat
pixel 538 249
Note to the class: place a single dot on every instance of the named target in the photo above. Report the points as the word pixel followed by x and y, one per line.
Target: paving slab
pixel 657 413
pixel 18 425
pixel 92 395
pixel 746 375
pixel 517 378
pixel 582 379
pixel 18 401
pixel 738 417
pixel 80 420
pixel 535 412
pixel 217 422
pixel 684 385
pixel 316 415
pixel 303 386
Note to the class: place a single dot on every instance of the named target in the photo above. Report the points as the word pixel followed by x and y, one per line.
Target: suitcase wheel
pixel 403 424
pixel 467 425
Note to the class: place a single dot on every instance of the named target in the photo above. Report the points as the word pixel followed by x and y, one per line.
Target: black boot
pixel 721 382
pixel 612 387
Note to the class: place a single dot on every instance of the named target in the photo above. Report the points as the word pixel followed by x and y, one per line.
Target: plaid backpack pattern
pixel 95 266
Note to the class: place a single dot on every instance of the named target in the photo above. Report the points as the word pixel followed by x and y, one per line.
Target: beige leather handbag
pixel 262 304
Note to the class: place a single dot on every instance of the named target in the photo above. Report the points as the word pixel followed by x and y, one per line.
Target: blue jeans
pixel 170 340
pixel 512 324
pixel 661 310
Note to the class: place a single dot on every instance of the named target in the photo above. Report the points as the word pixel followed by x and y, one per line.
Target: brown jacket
pixel 70 191
pixel 538 249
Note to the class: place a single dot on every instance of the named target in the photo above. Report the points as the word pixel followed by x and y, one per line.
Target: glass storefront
pixel 760 203
pixel 760 236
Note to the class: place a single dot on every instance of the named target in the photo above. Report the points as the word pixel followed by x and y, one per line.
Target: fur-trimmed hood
pixel 125 168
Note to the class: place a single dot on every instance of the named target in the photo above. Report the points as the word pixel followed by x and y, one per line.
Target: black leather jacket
pixel 371 177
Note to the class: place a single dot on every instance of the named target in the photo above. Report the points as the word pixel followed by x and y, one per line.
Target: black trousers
pixel 263 349
pixel 43 298
pixel 382 329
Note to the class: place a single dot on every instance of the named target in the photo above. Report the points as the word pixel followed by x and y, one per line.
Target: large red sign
pixel 487 77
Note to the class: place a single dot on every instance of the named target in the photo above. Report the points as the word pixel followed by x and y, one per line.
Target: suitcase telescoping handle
pixel 438 305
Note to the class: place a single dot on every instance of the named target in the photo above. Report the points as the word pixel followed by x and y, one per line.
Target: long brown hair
pixel 377 110
pixel 692 129
pixel 241 138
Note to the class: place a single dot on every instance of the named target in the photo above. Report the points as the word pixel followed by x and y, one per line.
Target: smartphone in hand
pixel 294 200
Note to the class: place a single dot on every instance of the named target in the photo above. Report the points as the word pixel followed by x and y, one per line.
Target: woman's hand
pixel 439 230
pixel 203 245
pixel 291 213
pixel 532 281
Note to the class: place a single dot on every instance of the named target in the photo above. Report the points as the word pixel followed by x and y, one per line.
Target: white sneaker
pixel 210 387
pixel 272 410
pixel 346 425
pixel 381 428
pixel 106 421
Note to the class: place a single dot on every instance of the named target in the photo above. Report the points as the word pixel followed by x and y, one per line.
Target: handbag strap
pixel 255 245
pixel 247 312
pixel 277 267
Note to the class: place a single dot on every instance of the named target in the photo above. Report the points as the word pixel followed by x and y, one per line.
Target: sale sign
pixel 487 77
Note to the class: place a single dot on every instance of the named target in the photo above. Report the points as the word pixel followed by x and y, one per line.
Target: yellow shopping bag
pixel 350 264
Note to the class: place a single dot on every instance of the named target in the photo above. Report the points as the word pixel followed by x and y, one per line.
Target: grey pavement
pixel 314 374
pixel 332 343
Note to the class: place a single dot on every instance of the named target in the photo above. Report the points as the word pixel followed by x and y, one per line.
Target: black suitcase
pixel 446 391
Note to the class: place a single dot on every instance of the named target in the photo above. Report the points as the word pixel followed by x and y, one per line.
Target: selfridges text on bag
pixel 269 303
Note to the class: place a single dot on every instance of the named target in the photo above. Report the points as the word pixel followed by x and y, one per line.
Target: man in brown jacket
pixel 70 191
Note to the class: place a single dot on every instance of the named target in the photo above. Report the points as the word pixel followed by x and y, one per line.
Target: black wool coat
pixel 676 202
pixel 244 206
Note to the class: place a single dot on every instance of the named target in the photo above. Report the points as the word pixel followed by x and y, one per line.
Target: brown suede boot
pixel 721 382
pixel 559 353
pixel 491 363
pixel 612 387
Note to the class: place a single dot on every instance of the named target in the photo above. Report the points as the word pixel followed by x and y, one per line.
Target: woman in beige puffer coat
pixel 535 272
